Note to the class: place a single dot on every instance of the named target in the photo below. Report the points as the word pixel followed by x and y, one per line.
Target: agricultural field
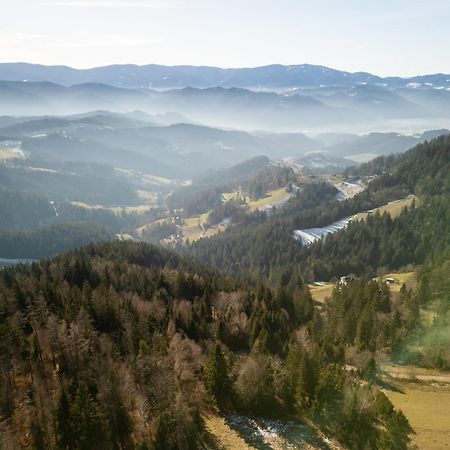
pixel 426 403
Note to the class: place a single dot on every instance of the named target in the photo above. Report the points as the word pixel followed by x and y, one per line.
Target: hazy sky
pixel 386 37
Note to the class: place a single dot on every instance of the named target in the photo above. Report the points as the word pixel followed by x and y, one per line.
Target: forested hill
pixel 424 169
pixel 263 245
pixel 123 346
pixel 50 240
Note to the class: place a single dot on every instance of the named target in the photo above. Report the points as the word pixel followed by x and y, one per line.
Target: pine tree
pixel 397 434
pixel 369 371
pixel 306 384
pixel 216 376
pixel 64 430
pixel 86 423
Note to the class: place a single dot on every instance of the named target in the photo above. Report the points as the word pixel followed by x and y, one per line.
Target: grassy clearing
pixel 407 278
pixel 393 208
pixel 144 228
pixel 273 197
pixel 139 209
pixel 427 407
pixel 222 436
pixel 320 293
pixel 195 228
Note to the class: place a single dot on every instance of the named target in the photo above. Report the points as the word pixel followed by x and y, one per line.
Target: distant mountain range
pixel 271 77
pixel 356 108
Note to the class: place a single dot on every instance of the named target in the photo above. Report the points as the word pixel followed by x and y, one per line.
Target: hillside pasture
pixel 393 208
pixel 427 407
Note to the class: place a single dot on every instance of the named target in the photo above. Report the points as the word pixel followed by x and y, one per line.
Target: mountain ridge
pixel 270 76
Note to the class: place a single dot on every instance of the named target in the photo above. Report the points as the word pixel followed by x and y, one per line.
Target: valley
pixel 206 258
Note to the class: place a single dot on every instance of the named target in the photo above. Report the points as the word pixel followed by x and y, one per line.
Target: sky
pixel 384 37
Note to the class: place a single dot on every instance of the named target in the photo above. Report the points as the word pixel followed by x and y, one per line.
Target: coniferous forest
pixel 127 345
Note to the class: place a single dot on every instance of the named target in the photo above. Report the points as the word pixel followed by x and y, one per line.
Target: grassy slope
pixel 273 197
pixel 192 227
pixel 320 293
pixel 427 407
pixel 222 436
pixel 393 208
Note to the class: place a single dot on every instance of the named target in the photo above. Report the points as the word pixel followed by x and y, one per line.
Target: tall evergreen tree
pixel 216 376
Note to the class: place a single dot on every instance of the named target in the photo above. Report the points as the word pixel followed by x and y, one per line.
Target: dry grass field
pixel 222 436
pixel 320 293
pixel 393 208
pixel 407 278
pixel 192 228
pixel 273 197
pixel 427 407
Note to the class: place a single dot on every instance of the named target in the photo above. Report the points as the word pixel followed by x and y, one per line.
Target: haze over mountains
pixel 140 142
pixel 277 98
